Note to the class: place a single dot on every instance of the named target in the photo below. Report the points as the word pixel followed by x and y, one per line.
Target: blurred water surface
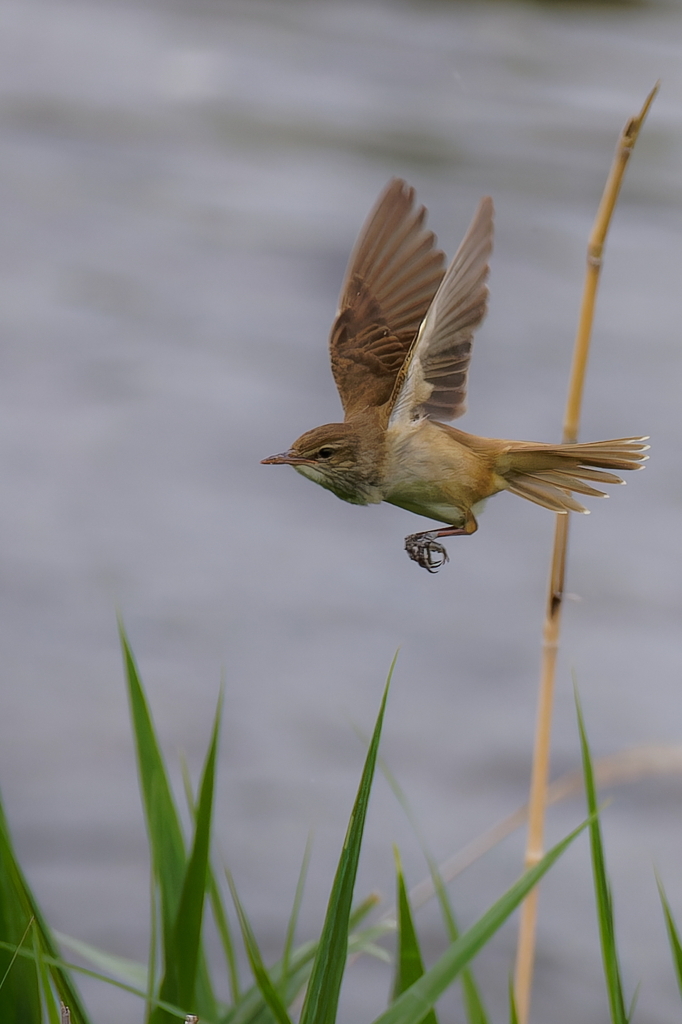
pixel 181 184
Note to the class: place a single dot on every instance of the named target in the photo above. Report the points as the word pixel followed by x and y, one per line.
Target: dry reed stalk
pixel 525 954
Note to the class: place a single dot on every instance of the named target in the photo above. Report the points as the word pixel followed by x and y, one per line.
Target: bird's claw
pixel 424 549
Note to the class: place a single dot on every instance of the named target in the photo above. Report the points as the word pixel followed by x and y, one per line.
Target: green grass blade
pixel 607 934
pixel 19 986
pixel 322 997
pixel 513 1015
pixel 378 952
pixel 57 964
pixel 167 846
pixel 15 954
pixel 633 1002
pixel 49 1003
pixel 224 930
pixel 295 910
pixel 152 957
pixel 252 1008
pixel 130 971
pixel 220 917
pixel 183 955
pixel 363 909
pixel 414 1003
pixel 166 842
pixel 20 997
pixel 409 965
pixel 365 941
pixel 473 1002
pixel 190 911
pixel 673 933
pixel 263 979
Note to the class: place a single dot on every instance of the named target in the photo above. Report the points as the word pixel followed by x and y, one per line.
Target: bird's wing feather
pixel 433 379
pixel 393 274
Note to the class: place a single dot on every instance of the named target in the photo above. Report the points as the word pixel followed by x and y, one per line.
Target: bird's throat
pixel 349 484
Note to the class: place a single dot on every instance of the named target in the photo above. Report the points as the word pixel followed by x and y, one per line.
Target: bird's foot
pixel 424 549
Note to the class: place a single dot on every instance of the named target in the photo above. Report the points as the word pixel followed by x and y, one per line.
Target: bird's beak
pixel 283 459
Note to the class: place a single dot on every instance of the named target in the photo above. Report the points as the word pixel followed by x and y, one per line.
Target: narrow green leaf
pixel 513 1015
pixel 365 941
pixel 19 987
pixel 252 1007
pixel 409 965
pixel 220 917
pixel 183 954
pixel 58 964
pixel 322 996
pixel 363 909
pixel 673 933
pixel 19 997
pixel 129 971
pixel 602 891
pixel 225 933
pixel 153 955
pixel 633 1002
pixel 378 952
pixel 166 842
pixel 49 1003
pixel 295 910
pixel 473 1002
pixel 415 1002
pixel 14 956
pixel 263 979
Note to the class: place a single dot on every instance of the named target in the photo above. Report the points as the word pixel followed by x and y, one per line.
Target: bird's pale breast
pixel 430 473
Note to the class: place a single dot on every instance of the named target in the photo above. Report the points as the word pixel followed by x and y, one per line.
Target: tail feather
pixel 601 477
pixel 573 482
pixel 535 489
pixel 546 474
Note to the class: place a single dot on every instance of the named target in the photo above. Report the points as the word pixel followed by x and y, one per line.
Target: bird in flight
pixel 400 349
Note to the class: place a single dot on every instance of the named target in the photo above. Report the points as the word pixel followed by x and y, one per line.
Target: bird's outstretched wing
pixel 393 274
pixel 433 379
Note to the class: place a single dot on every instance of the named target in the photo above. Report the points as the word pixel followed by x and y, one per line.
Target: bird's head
pixel 331 456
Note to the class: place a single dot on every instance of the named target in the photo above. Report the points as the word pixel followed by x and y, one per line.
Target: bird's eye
pixel 325 453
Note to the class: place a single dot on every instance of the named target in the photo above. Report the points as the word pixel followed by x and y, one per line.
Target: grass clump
pixel 36 982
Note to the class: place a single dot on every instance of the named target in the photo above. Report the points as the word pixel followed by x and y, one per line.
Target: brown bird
pixel 400 350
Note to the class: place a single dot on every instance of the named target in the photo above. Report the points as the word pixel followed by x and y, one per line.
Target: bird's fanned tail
pixel 546 474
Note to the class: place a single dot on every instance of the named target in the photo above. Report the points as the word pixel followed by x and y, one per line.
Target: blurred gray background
pixel 181 184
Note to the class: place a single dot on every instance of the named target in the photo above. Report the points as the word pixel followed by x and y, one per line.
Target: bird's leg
pixel 425 549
